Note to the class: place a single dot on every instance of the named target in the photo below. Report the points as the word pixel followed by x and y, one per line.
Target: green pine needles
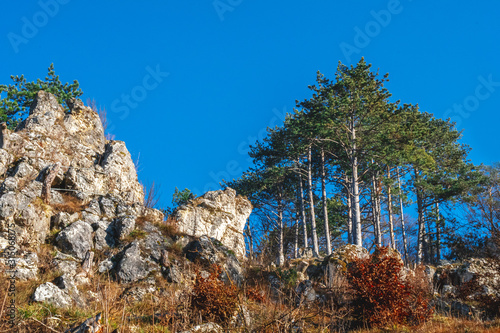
pixel 16 99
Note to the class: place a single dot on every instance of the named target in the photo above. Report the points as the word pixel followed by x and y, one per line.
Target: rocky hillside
pixel 68 191
pixel 81 253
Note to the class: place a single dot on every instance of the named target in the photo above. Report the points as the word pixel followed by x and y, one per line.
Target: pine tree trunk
pixel 325 202
pixel 376 219
pixel 311 202
pixel 421 225
pixel 438 235
pixel 389 212
pixel 303 211
pixel 358 237
pixel 296 242
pixel 403 231
pixel 281 254
pixel 250 240
pixel 430 242
pixel 350 239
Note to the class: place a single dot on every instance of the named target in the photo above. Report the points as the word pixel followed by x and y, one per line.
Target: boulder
pixel 205 328
pixel 209 251
pixel 305 293
pixel 76 239
pixel 132 267
pixel 218 214
pixel 50 293
pixel 91 325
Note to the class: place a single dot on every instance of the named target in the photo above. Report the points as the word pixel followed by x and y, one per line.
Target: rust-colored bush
pixel 255 294
pixel 380 294
pixel 212 298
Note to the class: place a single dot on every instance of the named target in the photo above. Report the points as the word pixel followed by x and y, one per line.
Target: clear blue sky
pixel 188 84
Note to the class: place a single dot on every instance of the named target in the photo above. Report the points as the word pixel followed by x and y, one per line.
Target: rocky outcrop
pixel 218 214
pixel 68 147
pixel 209 251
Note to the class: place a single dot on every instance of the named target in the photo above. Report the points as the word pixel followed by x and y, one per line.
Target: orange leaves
pixel 382 296
pixel 212 298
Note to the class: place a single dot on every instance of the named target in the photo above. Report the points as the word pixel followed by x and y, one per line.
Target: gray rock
pixel 219 214
pixel 50 293
pixel 124 226
pixel 132 267
pixel 62 219
pixel 76 239
pixel 209 251
pixel 205 328
pixel 106 266
pixel 173 274
pixel 27 267
pixel 305 293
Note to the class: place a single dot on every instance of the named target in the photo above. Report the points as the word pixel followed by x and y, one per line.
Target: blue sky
pixel 189 84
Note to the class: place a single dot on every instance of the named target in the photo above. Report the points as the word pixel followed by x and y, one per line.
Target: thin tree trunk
pixel 311 202
pixel 430 242
pixel 281 254
pixel 438 235
pixel 349 211
pixel 405 246
pixel 250 240
pixel 358 237
pixel 296 242
pixel 303 211
pixel 421 225
pixel 376 219
pixel 325 201
pixel 389 211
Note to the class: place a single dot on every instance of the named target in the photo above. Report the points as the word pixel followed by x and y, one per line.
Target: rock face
pixel 88 166
pixel 208 251
pixel 219 214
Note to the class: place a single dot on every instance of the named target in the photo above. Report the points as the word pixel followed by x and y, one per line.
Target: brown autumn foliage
pixel 382 296
pixel 213 299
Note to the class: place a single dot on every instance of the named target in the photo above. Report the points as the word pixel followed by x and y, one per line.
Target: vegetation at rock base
pixel 383 295
pixel 214 300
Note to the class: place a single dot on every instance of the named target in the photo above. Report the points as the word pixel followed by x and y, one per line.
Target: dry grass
pixel 170 307
pixel 440 324
pixel 71 205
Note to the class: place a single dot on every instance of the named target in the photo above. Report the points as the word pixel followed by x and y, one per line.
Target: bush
pixel 381 296
pixel 212 298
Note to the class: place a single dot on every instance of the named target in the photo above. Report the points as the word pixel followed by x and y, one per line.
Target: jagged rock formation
pixel 89 166
pixel 66 185
pixel 219 214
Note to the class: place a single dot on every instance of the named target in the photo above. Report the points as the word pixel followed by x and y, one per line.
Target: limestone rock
pixel 209 251
pixel 219 214
pixel 91 325
pixel 205 328
pixel 132 267
pixel 91 167
pixel 305 293
pixel 50 293
pixel 76 239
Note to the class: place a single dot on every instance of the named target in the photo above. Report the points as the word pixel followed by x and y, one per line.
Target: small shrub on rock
pixel 382 296
pixel 212 298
